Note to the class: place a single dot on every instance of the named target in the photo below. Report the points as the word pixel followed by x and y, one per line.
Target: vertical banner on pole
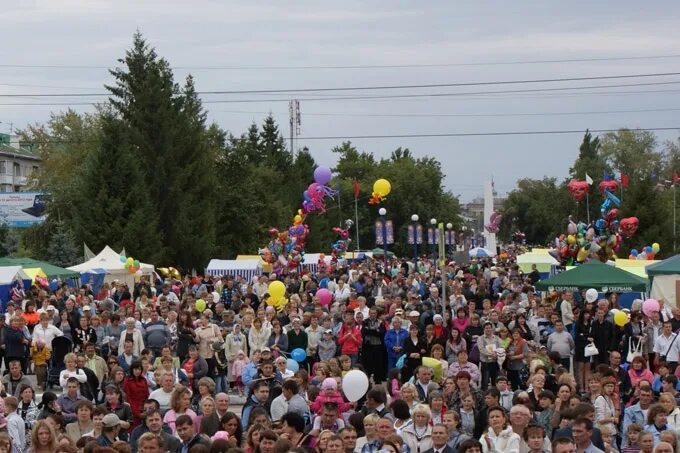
pixel 390 232
pixel 379 233
pixel 419 234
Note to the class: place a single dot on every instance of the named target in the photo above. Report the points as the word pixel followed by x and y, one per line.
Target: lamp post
pixel 414 219
pixel 433 232
pixel 463 235
pixel 449 238
pixel 383 213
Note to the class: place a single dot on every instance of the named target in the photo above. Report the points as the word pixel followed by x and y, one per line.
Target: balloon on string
pixel 200 305
pixel 591 295
pixel 292 365
pixel 276 289
pixel 325 296
pixel 650 306
pixel 355 385
pixel 298 354
pixel 382 187
pixel 322 175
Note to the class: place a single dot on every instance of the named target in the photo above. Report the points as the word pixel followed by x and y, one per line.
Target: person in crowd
pixel 500 436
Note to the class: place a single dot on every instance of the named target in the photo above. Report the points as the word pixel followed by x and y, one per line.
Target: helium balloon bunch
pixel 494 222
pixel 315 195
pixel 132 265
pixel 381 189
pixel 170 272
pixel 339 247
pixel 599 240
pixel 647 252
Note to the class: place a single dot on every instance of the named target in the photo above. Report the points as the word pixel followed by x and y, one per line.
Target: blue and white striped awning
pixel 234 268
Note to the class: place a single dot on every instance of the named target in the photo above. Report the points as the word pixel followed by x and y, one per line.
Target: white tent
pixel 10 273
pixel 311 262
pixel 235 268
pixel 109 260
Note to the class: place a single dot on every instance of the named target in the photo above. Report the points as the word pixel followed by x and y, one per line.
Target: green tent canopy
pixel 602 277
pixel 381 252
pixel 669 266
pixel 50 270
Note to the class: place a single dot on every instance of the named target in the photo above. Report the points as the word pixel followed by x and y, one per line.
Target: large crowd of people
pixel 465 359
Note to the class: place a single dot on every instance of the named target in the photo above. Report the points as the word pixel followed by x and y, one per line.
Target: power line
pixel 405 96
pixel 381 87
pixel 423 135
pixel 340 67
pixel 456 115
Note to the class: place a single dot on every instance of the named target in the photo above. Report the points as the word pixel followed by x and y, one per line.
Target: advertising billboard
pixel 22 209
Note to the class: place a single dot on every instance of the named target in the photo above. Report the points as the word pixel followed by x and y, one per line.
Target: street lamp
pixel 449 238
pixel 433 229
pixel 414 219
pixel 383 213
pixel 463 235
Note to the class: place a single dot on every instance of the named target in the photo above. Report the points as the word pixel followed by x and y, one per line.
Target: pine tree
pixel 272 147
pixel 62 249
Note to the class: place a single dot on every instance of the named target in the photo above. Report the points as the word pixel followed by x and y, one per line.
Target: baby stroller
pixel 60 347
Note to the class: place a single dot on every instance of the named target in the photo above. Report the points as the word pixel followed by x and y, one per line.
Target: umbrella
pixel 480 252
pixel 381 252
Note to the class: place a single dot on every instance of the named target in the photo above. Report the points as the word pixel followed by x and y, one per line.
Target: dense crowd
pixel 470 359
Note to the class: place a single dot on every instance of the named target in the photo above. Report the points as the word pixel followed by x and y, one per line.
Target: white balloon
pixel 591 295
pixel 355 385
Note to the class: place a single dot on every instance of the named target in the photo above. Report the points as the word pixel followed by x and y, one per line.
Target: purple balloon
pixel 322 175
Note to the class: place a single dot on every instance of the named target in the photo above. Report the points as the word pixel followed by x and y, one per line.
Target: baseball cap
pixel 51 307
pixel 110 420
pixel 414 313
pixel 87 308
pixel 265 349
pixel 328 331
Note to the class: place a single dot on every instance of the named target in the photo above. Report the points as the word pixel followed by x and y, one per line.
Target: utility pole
pixel 295 122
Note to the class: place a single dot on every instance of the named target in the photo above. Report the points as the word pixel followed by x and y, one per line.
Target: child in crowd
pixel 608 439
pixel 632 444
pixel 238 367
pixel 451 420
pixel 40 355
pixel 662 372
pixel 394 381
pixel 506 394
pixel 546 399
pixel 533 435
pixel 329 394
pixel 345 364
pixel 15 425
pixel 327 346
pixel 467 415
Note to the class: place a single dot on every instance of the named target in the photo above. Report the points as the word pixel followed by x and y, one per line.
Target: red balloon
pixel 610 185
pixel 577 189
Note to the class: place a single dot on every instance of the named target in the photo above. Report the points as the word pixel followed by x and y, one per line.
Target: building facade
pixel 17 164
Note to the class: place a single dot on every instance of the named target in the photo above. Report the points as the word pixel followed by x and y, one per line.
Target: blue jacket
pixel 632 414
pixel 395 338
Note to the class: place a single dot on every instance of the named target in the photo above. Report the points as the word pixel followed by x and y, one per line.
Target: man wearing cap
pixel 110 430
pixel 45 331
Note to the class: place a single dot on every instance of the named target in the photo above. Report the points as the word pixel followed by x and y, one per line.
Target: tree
pixel 63 250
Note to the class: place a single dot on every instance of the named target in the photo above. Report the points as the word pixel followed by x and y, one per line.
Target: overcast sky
pixel 201 35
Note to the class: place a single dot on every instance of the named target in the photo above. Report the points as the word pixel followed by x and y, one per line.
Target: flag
pixel 624 180
pixel 589 180
pixel 676 178
pixel 355 185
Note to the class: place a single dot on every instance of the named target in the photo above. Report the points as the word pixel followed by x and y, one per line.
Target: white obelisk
pixel 490 238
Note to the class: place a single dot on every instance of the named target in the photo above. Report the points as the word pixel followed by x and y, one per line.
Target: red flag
pixel 624 180
pixel 355 184
pixel 676 178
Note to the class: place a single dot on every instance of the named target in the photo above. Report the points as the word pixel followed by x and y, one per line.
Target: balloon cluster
pixel 315 195
pixel 648 252
pixel 381 189
pixel 339 247
pixel 286 248
pixel 599 240
pixel 494 222
pixel 169 272
pixel 277 295
pixel 131 264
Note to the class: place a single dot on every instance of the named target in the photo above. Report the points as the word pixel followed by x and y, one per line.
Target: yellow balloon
pixel 436 366
pixel 276 290
pixel 621 319
pixel 382 187
pixel 582 255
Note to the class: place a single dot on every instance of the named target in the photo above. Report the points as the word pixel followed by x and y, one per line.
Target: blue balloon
pixel 323 283
pixel 298 354
pixel 648 249
pixel 634 252
pixel 292 365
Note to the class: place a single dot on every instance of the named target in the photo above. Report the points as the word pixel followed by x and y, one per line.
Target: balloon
pixel 650 306
pixel 571 239
pixel 382 187
pixel 591 295
pixel 323 283
pixel 322 175
pixel 298 354
pixel 324 296
pixel 656 247
pixel 634 252
pixel 436 366
pixel 354 385
pixel 292 365
pixel 122 259
pixel 129 262
pixel 200 305
pixel 621 319
pixel 276 289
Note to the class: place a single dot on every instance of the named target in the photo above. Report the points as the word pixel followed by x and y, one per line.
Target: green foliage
pixel 62 250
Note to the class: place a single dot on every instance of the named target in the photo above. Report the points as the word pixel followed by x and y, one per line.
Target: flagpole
pixel 588 207
pixel 674 235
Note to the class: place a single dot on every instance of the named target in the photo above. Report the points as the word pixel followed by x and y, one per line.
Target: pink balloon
pixel 324 296
pixel 650 306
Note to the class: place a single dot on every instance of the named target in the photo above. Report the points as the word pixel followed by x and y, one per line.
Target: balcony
pixel 13 180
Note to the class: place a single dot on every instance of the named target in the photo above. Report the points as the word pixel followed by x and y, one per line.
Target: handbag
pixel 633 351
pixel 590 350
